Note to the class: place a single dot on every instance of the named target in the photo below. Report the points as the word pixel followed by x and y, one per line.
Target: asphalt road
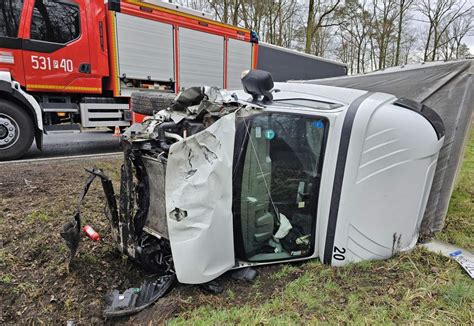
pixel 67 144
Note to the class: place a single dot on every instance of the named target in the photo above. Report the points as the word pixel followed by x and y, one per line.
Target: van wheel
pixel 16 131
pixel 148 103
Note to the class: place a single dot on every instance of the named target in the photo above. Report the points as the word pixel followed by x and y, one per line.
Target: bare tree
pixel 403 6
pixel 226 10
pixel 365 34
pixel 407 46
pixel 356 30
pixel 318 13
pixel 385 14
pixel 459 29
pixel 440 14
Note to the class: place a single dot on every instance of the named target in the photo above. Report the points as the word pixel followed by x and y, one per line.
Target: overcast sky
pixel 417 19
pixel 470 43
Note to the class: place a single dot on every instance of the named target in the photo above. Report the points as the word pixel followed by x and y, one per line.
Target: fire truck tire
pixel 16 131
pixel 147 103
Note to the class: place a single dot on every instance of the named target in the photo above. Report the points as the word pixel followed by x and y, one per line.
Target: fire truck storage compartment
pixel 104 115
pixel 239 58
pixel 201 59
pixel 145 49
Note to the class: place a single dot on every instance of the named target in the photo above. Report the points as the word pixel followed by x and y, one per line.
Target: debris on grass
pixel 415 287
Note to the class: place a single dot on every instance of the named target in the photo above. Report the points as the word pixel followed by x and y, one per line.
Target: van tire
pixel 17 131
pixel 148 103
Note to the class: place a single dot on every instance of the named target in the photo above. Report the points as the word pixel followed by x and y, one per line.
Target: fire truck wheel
pixel 147 103
pixel 16 131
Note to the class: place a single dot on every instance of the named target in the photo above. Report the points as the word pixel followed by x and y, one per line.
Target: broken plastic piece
pixel 464 261
pixel 247 274
pixel 71 232
pixel 189 97
pixel 462 256
pixel 212 287
pixel 134 300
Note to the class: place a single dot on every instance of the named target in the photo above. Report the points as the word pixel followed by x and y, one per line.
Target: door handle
pixel 85 68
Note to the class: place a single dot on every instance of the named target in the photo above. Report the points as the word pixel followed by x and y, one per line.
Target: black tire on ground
pixel 147 103
pixel 16 131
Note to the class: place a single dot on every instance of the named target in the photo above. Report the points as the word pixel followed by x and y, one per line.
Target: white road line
pixel 64 158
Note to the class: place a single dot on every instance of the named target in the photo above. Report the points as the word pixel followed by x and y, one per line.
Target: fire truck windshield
pixel 55 22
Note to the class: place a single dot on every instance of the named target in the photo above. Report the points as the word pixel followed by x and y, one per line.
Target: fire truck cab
pixel 71 63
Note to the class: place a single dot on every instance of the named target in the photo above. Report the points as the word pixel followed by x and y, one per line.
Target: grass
pixel 415 287
pixel 6 259
pixel 6 278
pixel 400 290
pixel 284 271
pixel 27 288
pixel 38 216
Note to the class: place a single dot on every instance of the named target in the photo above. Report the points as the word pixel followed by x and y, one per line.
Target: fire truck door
pixel 56 55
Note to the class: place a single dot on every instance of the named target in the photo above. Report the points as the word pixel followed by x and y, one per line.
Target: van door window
pixel 277 184
pixel 55 21
pixel 10 12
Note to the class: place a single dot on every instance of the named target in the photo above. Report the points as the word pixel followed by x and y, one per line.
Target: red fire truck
pixel 66 63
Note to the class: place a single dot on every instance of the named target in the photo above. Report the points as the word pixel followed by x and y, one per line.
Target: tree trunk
pixel 381 51
pixel 310 27
pixel 235 18
pixel 435 44
pixel 363 57
pixel 225 16
pixel 427 45
pixel 359 49
pixel 399 34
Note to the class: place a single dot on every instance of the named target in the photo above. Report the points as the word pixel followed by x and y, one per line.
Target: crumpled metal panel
pixel 199 203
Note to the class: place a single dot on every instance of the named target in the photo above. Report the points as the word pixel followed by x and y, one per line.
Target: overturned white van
pixel 223 180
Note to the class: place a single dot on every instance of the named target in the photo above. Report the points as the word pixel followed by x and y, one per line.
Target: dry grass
pixel 35 286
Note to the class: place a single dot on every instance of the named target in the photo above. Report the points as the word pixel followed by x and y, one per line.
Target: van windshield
pixel 277 176
pixel 10 13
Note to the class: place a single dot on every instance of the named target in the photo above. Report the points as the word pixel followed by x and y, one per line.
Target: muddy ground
pixel 36 286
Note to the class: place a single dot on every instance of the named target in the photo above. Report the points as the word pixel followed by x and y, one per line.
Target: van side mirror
pixel 258 83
